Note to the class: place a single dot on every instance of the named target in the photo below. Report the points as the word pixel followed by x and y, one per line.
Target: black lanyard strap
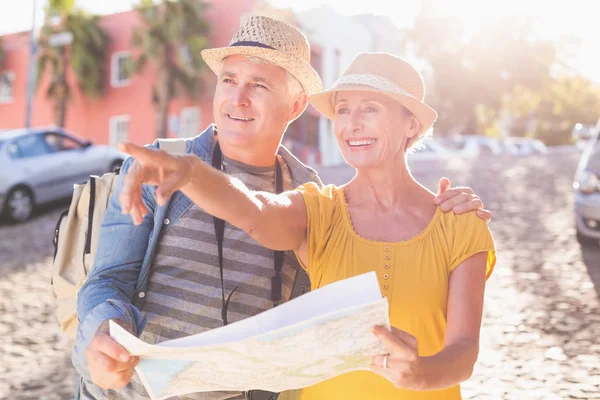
pixel 276 280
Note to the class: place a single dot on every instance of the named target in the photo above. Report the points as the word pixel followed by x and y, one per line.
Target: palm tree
pixel 172 35
pixel 85 54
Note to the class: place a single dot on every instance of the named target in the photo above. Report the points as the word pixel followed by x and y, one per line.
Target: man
pixel 180 271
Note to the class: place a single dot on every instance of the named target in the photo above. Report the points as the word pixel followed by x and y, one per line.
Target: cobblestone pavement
pixel 541 328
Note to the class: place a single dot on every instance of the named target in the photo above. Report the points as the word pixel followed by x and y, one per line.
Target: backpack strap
pixel 91 207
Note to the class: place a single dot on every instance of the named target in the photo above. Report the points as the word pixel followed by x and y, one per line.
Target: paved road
pixel 540 338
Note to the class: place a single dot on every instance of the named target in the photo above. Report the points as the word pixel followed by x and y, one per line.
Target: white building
pixel 341 39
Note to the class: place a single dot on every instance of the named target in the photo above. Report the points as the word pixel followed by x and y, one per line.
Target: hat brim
pixel 301 70
pixel 323 102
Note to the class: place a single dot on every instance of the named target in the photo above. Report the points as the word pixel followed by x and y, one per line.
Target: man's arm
pixel 110 286
pixel 276 221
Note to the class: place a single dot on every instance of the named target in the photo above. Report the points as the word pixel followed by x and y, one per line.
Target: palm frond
pixel 85 55
pixel 185 80
pixel 140 63
pixel 171 35
pixel 87 52
pixel 61 6
pixel 170 26
pixel 42 61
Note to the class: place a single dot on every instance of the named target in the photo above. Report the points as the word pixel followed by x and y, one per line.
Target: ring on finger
pixel 385 361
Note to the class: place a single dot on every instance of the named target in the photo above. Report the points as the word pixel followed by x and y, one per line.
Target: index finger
pixel 131 182
pixel 145 155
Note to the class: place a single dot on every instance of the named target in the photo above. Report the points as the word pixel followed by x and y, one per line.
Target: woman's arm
pixel 454 363
pixel 278 222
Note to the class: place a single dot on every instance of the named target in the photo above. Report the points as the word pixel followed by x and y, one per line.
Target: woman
pixel 432 266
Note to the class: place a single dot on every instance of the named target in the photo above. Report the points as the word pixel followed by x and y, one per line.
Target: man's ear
pixel 300 104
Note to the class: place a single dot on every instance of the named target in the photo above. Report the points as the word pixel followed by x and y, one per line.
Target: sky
pixel 576 18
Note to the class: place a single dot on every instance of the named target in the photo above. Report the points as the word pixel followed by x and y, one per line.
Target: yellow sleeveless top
pixel 413 274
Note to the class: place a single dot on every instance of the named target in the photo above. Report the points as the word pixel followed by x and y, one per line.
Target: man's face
pixel 252 104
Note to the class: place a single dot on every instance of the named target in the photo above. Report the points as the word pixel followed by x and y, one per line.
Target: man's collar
pixel 203 146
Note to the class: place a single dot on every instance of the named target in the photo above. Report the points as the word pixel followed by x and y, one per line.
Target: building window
pixel 118 129
pixel 7 80
pixel 189 122
pixel 121 67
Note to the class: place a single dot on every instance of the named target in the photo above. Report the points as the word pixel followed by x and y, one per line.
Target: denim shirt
pixel 117 284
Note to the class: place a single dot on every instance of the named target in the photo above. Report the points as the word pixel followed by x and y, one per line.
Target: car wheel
pixel 19 204
pixel 116 165
pixel 586 240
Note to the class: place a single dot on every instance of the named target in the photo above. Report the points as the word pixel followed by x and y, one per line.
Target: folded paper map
pixel 322 334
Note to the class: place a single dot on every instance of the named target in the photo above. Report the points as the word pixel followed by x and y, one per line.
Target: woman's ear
pixel 415 127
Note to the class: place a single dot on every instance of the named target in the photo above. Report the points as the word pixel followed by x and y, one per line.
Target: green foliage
pixel 555 108
pixel 477 69
pixel 85 56
pixel 501 72
pixel 171 36
pixel 61 6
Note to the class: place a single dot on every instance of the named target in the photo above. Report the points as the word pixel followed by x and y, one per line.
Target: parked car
pixel 524 146
pixel 587 197
pixel 429 149
pixel 473 145
pixel 581 134
pixel 42 164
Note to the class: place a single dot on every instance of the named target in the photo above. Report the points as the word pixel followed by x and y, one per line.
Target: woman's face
pixel 372 129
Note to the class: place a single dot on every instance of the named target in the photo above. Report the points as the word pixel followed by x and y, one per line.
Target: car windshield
pixel 454 143
pixel 76 137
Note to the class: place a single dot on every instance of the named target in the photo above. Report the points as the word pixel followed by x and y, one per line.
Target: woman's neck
pixel 386 188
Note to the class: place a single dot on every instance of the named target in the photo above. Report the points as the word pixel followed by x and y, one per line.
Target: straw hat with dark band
pixel 274 41
pixel 385 74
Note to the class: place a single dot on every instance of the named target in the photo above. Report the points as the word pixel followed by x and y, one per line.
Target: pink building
pixel 125 110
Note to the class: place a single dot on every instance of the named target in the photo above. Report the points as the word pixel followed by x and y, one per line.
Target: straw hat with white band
pixel 274 41
pixel 386 74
